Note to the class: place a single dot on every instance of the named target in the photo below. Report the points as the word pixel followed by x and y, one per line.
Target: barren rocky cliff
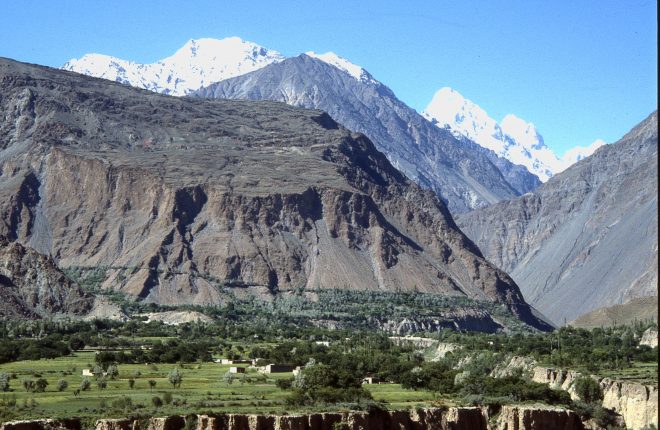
pixel 32 286
pixel 588 237
pixel 179 195
pixel 462 173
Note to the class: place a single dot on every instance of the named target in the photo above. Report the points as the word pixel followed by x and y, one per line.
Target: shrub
pixel 157 401
pixel 588 390
pixel 4 382
pixel 85 384
pixel 62 385
pixel 175 377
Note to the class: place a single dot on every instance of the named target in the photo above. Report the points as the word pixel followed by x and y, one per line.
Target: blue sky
pixel 579 69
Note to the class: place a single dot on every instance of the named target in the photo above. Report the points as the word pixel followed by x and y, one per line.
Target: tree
pixel 85 384
pixel 113 371
pixel 152 384
pixel 62 385
pixel 28 384
pixel 102 384
pixel 40 385
pixel 157 401
pixel 97 371
pixel 175 377
pixel 228 377
pixel 131 383
pixel 4 382
pixel 588 389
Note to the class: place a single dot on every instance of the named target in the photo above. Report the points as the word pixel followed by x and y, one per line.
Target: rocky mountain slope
pixel 178 196
pixel 588 237
pixel 198 63
pixel 637 309
pixel 513 138
pixel 31 285
pixel 464 174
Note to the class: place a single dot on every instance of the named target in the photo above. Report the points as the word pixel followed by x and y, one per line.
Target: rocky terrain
pixel 464 174
pixel 637 309
pixel 528 417
pixel 588 237
pixel 181 196
pixel 637 403
pixel 31 285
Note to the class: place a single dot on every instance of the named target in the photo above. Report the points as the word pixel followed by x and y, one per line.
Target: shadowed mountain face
pixel 587 238
pixel 31 285
pixel 462 173
pixel 179 194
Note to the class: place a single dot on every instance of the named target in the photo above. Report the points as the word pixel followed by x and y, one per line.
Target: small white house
pixel 87 372
pixel 236 369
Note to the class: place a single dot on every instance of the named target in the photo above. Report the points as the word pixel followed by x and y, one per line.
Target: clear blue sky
pixel 579 69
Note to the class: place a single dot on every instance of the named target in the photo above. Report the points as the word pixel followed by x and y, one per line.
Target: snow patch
pixel 200 62
pixel 344 65
pixel 513 138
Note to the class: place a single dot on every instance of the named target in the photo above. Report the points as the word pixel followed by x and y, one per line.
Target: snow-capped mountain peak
pixel 344 65
pixel 522 131
pixel 577 153
pixel 513 138
pixel 197 63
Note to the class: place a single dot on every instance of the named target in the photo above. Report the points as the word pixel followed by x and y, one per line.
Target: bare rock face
pixel 465 175
pixel 537 418
pixel 180 194
pixel 637 403
pixel 650 337
pixel 527 417
pixel 31 285
pixel 588 237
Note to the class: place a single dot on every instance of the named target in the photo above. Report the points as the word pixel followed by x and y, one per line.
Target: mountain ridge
pixel 463 173
pixel 585 239
pixel 182 197
pixel 513 138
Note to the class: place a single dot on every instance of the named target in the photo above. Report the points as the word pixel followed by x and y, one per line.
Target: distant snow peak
pixel 344 65
pixel 514 138
pixel 576 154
pixel 199 62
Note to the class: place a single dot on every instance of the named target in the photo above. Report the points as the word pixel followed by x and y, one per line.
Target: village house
pixel 279 368
pixel 236 369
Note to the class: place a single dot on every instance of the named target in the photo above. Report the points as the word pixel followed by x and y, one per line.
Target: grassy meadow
pixel 204 388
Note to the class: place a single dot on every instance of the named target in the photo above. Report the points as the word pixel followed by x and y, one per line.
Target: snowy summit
pixel 344 65
pixel 198 63
pixel 513 138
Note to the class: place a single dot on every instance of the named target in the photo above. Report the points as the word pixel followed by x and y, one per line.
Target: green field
pixel 203 390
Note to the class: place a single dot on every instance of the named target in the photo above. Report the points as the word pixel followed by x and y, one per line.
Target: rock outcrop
pixel 650 337
pixel 180 196
pixel 588 237
pixel 537 417
pixel 637 403
pixel 464 174
pixel 32 286
pixel 452 418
